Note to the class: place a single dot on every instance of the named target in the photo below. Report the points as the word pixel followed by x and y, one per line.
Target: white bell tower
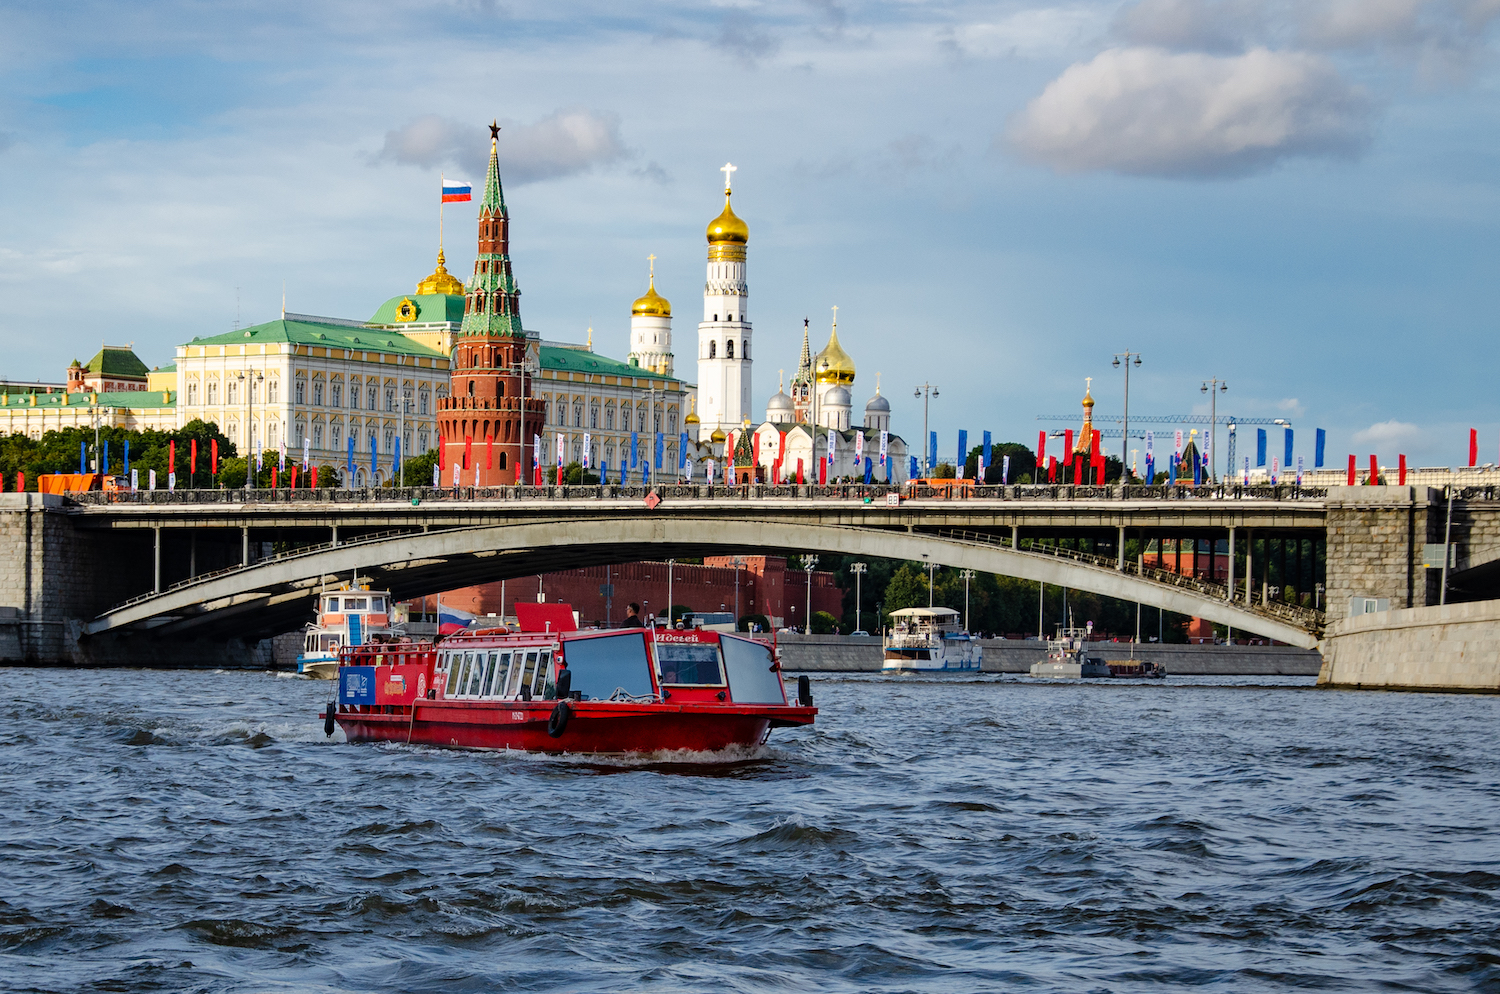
pixel 724 335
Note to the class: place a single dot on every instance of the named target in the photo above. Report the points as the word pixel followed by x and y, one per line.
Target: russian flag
pixel 456 191
pixel 451 619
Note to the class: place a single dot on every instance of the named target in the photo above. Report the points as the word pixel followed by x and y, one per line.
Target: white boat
pixel 1066 659
pixel 348 616
pixel 929 640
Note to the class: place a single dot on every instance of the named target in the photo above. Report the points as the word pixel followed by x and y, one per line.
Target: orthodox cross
pixel 835 316
pixel 727 170
pixel 652 259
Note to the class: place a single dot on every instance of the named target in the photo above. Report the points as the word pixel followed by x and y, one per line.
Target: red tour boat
pixel 553 688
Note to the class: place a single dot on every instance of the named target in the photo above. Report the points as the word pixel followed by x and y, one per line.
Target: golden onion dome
pixel 728 227
pixel 1088 399
pixel 718 435
pixel 692 417
pixel 652 304
pixel 441 281
pixel 833 364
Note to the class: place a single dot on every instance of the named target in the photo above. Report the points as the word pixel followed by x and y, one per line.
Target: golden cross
pixel 652 259
pixel 835 316
pixel 727 169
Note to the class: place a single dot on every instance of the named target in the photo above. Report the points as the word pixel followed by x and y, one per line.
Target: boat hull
pixel 318 667
pixel 962 658
pixel 593 727
pixel 1069 670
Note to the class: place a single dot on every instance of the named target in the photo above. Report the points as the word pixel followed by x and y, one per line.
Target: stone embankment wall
pixel 1455 647
pixel 842 653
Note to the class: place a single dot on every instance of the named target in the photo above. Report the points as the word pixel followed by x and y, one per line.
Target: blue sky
pixel 1298 197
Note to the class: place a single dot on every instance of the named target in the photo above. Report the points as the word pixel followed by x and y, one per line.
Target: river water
pixel 195 831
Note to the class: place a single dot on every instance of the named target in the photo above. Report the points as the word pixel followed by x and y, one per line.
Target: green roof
pixel 431 308
pixel 583 361
pixel 118 398
pixel 114 360
pixel 170 367
pixel 337 336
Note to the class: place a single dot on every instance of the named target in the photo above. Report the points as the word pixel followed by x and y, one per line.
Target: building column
pixel 1229 584
pixel 156 559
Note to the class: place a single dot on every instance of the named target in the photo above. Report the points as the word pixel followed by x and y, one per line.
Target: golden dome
pixel 833 364
pixel 728 227
pixel 1088 398
pixel 718 435
pixel 441 281
pixel 692 417
pixel 652 304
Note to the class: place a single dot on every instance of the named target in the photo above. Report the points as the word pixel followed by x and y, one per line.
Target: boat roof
pixel 924 612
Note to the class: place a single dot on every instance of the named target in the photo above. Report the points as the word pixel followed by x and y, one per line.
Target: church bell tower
pixel 724 334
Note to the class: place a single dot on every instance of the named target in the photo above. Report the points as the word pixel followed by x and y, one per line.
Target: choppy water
pixel 195 832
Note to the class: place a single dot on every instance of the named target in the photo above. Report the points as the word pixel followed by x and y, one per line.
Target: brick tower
pixel 489 418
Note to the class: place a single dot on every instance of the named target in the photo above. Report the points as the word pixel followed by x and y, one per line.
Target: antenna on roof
pixel 283 300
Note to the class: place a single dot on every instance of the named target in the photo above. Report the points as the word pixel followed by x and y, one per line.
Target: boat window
pixel 354 603
pixel 377 604
pixel 604 664
pixel 331 605
pixel 461 677
pixel 330 641
pixel 689 663
pixel 496 679
pixel 751 679
pixel 543 674
pixel 476 673
pixel 523 673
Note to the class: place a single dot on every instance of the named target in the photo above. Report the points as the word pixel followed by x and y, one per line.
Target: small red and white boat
pixel 552 688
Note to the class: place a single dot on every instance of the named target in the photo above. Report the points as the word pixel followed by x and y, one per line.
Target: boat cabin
pixel 348 617
pixel 925 622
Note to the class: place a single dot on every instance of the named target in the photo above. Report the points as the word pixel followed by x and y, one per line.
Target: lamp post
pixel 931 569
pixel 809 563
pixel 968 575
pixel 859 570
pixel 926 391
pixel 1128 356
pixel 1213 388
pixel 671 563
pixel 738 562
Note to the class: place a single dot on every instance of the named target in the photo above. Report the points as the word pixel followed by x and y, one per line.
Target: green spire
pixel 492 306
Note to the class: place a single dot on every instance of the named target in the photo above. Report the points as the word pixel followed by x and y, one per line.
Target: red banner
pixel 1473 448
pixel 489 450
pixel 1402 464
pixel 313 481
pixel 1374 472
pixel 192 459
pixel 1041 448
pixel 1051 469
pixel 799 471
pixel 468 450
pixel 274 482
pixel 1067 452
pixel 294 476
pixel 172 456
pixel 213 448
pixel 1351 469
pixel 442 458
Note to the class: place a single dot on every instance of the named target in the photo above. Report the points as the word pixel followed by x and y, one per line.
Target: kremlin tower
pixel 724 335
pixel 488 421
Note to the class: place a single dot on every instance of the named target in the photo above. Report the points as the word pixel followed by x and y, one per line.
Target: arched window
pixel 729 349
pixel 471 388
pixel 578 416
pixel 213 393
pixel 713 348
pixel 422 402
pixel 594 416
pixel 317 393
pixel 745 349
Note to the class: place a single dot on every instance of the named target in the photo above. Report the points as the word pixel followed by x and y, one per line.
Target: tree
pixel 822 623
pixel 1022 460
pixel 944 471
pixel 417 470
pixel 759 619
pixel 574 476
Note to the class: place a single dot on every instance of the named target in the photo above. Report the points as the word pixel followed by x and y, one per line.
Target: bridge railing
pixel 1306 618
pixel 870 493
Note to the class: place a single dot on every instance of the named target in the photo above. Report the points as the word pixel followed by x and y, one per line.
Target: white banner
pixel 885 439
pixel 1005 472
pixel 833 444
pixel 455 474
pixel 1178 449
pixel 712 468
pixel 1150 443
pixel 586 442
pixel 306 451
pixel 1299 471
pixel 536 450
pixel 281 457
pixel 562 443
pixel 437 477
pixel 153 479
pixel 171 481
pixel 859 448
pixel 135 480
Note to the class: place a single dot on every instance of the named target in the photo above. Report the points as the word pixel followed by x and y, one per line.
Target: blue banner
pixel 603 473
pixel 914 471
pixel 986 455
pixel 104 457
pixel 127 457
pixel 374 455
pixel 1260 446
pixel 350 481
pixel 396 464
pixel 682 447
pixel 1150 468
pixel 1197 470
pixel 869 469
pixel 635 440
pixel 624 470
pixel 1288 460
pixel 356 685
pixel 83 457
pixel 963 451
pixel 660 448
pixel 1318 452
pixel 931 450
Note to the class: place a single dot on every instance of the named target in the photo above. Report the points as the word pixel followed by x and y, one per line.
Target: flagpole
pixel 440 211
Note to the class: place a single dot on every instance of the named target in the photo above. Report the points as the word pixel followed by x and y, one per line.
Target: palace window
pixel 390 440
pixel 713 349
pixel 422 441
pixel 300 391
pixel 337 393
pixel 578 416
pixel 233 392
pixel 640 420
pixel 317 393
pixel 672 423
pixel 609 419
pixel 354 394
pixel 422 396
pixel 273 391
pixel 390 398
pixel 373 397
pixel 337 434
pixel 213 393
pixel 317 436
pixel 594 416
pixel 301 434
pixel 656 421
pixel 192 397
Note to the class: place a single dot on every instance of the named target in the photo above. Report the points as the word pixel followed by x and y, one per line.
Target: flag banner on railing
pixel 588 441
pixel 83 458
pixel 1473 448
pixel 275 477
pixel 135 480
pixel 859 447
pixel 963 453
pixel 280 456
pixel 754 452
pixel 1067 452
pixel 395 463
pixel 604 474
pixel 151 484
pixel 635 441
pixel 1005 473
pixel 260 455
pixel 437 478
pixel 456 470
pixel 822 472
pixel 1374 471
pixel 1287 450
pixel 1352 470
pixel 1275 470
pixel 1247 471
pixel 1051 469
pixel 885 444
pixel 1401 470
pixel 489 450
pixel 915 473
pixel 931 450
pixel 833 444
pixel 1197 470
pixel 1260 446
pixel 171 482
pixel 1299 469
pixel 661 448
pixel 682 450
pixel 349 462
pixel 127 457
pixel 374 458
pixel 104 455
pixel 869 471
pixel 562 448
pixel 624 470
pixel 985 463
pixel 1321 441
pixel 306 453
pixel 1041 448
pixel 468 460
pixel 1150 468
pixel 712 468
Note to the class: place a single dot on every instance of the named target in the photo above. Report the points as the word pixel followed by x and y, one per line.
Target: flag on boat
pixel 456 191
pixel 451 619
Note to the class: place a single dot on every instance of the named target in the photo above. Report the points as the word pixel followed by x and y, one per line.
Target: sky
pixel 1298 197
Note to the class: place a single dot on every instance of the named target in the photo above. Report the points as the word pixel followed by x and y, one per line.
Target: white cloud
pixel 563 143
pixel 1384 436
pixel 1150 112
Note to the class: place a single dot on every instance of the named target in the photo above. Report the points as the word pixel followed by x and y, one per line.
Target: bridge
pixel 201 567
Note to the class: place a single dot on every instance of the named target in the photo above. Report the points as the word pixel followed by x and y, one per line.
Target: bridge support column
pixel 156 559
pixel 1120 551
pixel 335 536
pixel 1015 536
pixel 1249 563
pixel 192 555
pixel 1229 584
pixel 245 546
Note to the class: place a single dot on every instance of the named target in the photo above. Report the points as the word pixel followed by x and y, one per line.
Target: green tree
pixel 574 476
pixel 822 623
pixel 1022 461
pixel 418 469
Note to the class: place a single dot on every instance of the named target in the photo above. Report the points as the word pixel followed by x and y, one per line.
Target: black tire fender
pixel 328 720
pixel 558 723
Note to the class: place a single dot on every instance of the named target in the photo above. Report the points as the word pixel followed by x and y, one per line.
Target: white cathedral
pixel 818 412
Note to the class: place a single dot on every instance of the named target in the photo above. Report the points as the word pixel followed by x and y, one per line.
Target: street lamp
pixel 809 563
pixel 738 562
pixel 859 570
pixel 1128 356
pixel 670 564
pixel 968 575
pixel 926 391
pixel 1213 388
pixel 931 568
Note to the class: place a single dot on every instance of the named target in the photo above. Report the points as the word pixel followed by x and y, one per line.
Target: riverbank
pixel 847 654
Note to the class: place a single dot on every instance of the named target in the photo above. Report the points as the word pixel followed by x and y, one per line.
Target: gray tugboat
pixel 1066 659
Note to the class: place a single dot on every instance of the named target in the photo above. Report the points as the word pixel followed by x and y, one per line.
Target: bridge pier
pixel 245 546
pixel 156 559
pixel 1229 581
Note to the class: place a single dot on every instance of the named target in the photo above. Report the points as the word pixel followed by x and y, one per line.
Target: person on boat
pixel 632 616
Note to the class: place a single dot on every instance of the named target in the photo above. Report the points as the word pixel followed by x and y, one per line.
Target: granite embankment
pixel 843 653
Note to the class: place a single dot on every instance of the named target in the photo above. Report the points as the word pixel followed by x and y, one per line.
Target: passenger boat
pixel 351 615
pixel 552 688
pixel 1136 669
pixel 1067 659
pixel 929 640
